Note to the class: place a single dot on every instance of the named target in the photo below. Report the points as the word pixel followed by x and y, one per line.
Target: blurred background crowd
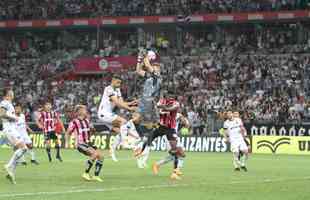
pixel 56 9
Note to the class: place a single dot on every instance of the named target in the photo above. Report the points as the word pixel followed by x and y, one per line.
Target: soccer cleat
pixel 59 158
pixel 155 169
pixel 34 162
pixel 139 163
pixel 10 174
pixel 174 176
pixel 244 169
pixel 86 177
pixel 237 169
pixel 97 178
pixel 23 163
pixel 178 172
pixel 11 179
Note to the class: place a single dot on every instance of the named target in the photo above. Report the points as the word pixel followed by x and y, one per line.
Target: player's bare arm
pixel 29 129
pixel 67 137
pixel 121 103
pixel 39 123
pixel 5 115
pixel 226 136
pixel 185 121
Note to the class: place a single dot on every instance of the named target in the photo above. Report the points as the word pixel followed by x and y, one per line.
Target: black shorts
pixel 84 148
pixel 50 136
pixel 161 131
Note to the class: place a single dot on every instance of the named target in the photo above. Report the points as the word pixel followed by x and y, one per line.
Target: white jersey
pixel 10 111
pixel 233 128
pixel 21 124
pixel 106 106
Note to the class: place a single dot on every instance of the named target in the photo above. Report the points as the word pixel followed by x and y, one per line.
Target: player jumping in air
pixel 80 128
pixel 46 122
pixel 9 119
pixel 233 132
pixel 111 99
pixel 22 128
pixel 147 103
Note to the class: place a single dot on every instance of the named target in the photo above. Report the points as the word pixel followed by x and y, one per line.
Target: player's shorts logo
pixel 273 146
pixel 103 64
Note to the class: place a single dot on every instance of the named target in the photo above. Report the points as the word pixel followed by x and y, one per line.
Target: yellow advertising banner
pixel 281 145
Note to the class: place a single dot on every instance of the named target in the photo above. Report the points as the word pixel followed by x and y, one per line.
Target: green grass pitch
pixel 207 176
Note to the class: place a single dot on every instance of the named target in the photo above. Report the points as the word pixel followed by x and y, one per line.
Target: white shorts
pixel 25 137
pixel 12 135
pixel 107 119
pixel 237 145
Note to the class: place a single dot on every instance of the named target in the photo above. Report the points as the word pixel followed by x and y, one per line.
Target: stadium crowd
pixel 240 72
pixel 55 9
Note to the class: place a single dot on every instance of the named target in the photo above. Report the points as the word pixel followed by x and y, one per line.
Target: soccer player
pixel 233 129
pixel 169 107
pixel 150 72
pixel 46 122
pixel 243 131
pixel 9 119
pixel 81 129
pixel 111 99
pixel 22 128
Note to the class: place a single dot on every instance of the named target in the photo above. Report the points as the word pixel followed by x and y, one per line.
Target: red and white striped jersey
pixel 81 130
pixel 48 120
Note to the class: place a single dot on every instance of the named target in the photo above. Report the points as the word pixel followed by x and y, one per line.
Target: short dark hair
pixel 78 107
pixel 116 76
pixel 18 105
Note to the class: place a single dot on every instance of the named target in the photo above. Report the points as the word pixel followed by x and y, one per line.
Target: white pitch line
pixel 93 190
pixel 146 187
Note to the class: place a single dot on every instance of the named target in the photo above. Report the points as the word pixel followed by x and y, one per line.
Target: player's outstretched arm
pixel 4 114
pixel 39 122
pixel 185 121
pixel 139 70
pixel 148 66
pixel 67 138
pixel 226 136
pixel 121 103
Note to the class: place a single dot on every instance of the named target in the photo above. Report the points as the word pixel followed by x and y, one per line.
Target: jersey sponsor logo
pixel 273 146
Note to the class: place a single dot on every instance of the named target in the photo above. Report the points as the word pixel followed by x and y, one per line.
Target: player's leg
pixel 85 149
pixel 245 154
pixel 32 154
pixel 116 143
pixel 48 146
pixel 22 160
pixel 57 140
pixel 176 153
pixel 115 124
pixel 18 153
pixel 98 165
pixel 235 151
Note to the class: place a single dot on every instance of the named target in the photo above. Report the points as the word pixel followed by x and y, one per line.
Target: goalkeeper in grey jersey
pixel 150 71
